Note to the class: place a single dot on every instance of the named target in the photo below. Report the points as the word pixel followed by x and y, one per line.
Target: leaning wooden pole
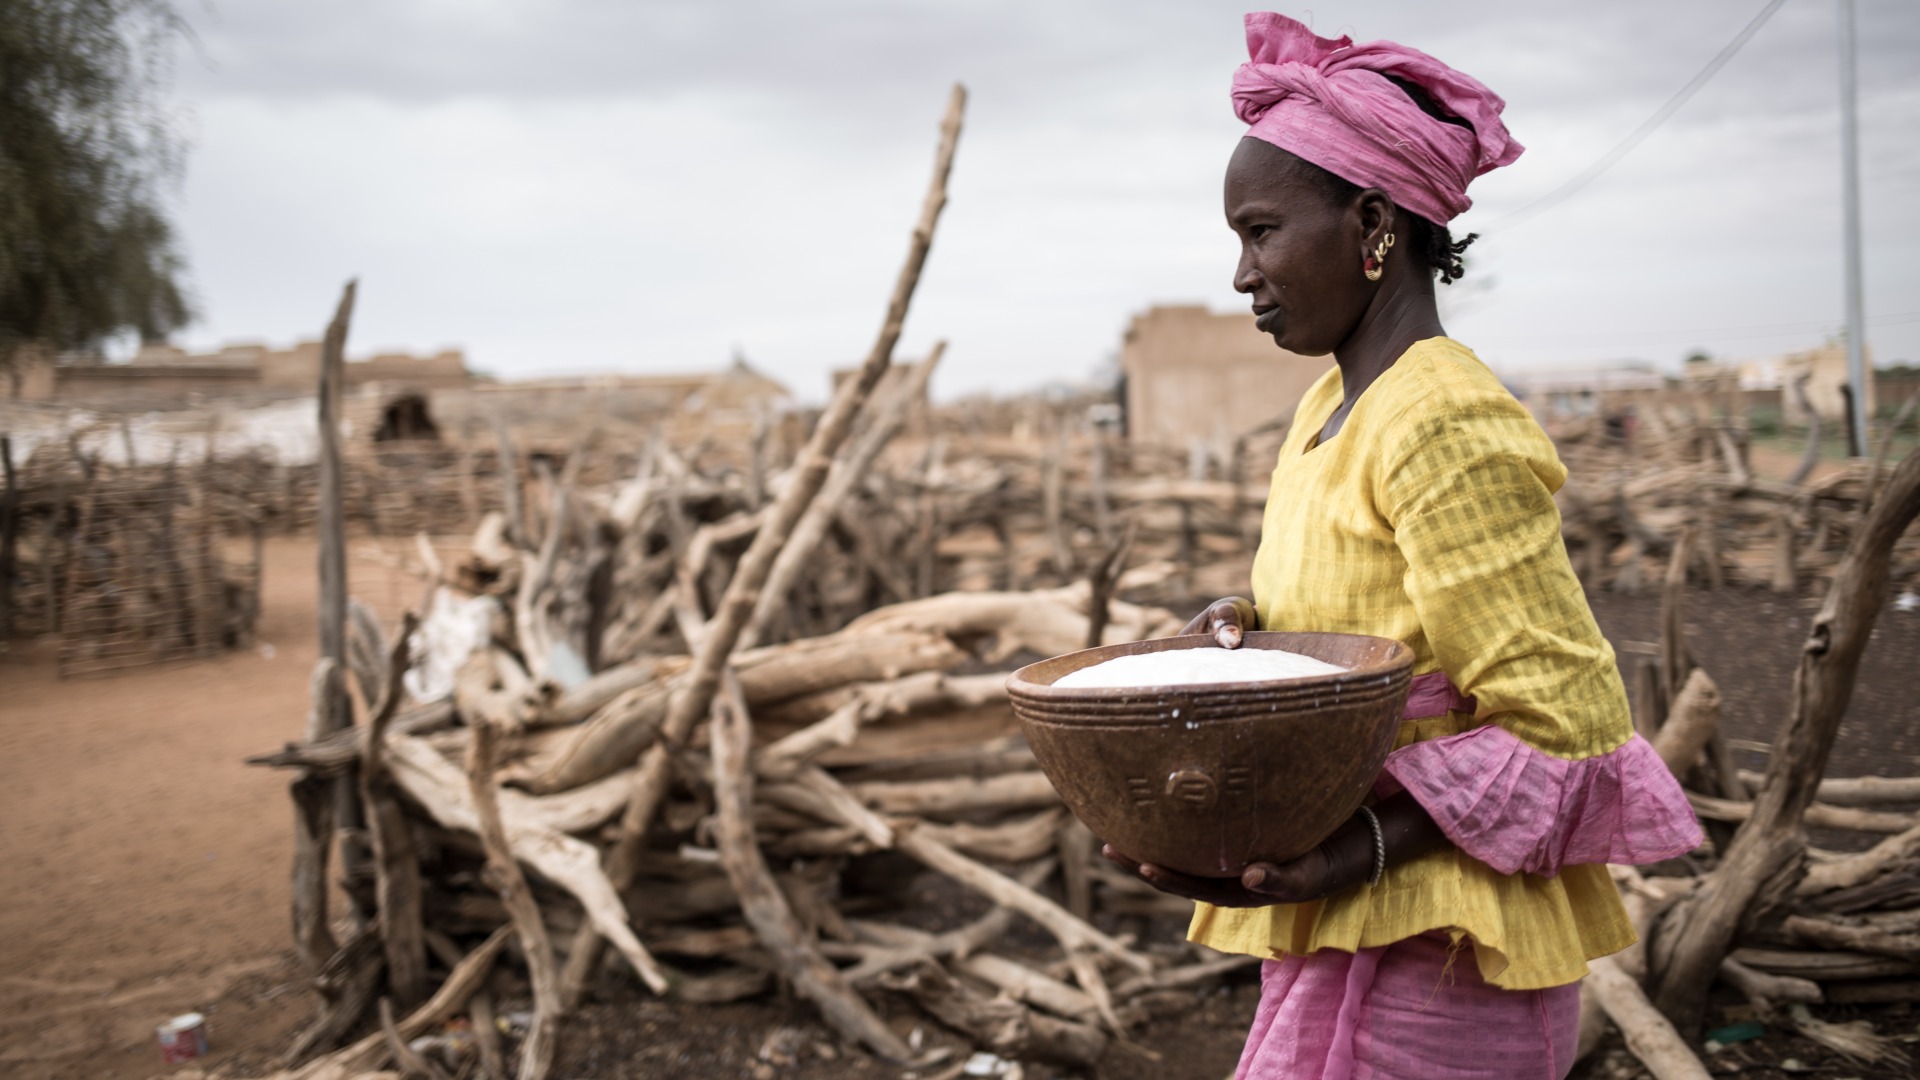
pixel 1766 860
pixel 809 474
pixel 332 520
pixel 846 475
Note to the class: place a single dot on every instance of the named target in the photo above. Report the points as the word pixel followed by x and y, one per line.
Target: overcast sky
pixel 568 187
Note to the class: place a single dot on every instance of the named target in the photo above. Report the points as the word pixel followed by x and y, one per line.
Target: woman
pixel 1442 931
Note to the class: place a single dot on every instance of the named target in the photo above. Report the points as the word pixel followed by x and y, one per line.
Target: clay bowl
pixel 1207 778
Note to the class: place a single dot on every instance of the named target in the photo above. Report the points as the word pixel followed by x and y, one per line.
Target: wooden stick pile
pixel 641 747
pixel 1631 497
pixel 1782 922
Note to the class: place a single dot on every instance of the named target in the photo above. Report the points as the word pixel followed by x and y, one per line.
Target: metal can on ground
pixel 182 1038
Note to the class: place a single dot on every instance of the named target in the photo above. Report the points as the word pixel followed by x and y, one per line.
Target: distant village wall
pixel 163 377
pixel 1192 373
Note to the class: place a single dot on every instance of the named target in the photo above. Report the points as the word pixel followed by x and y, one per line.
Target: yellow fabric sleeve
pixel 1467 488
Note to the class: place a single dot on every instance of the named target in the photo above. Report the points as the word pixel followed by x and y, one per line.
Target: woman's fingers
pixel 1227 620
pixel 1224 892
pixel 1113 855
pixel 1295 881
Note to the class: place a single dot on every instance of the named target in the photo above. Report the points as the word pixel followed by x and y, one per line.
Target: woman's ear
pixel 1376 216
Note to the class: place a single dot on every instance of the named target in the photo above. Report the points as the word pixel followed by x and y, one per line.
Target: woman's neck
pixel 1400 316
pixel 1402 313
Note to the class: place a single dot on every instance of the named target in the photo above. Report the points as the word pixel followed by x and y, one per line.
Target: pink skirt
pixel 1416 1009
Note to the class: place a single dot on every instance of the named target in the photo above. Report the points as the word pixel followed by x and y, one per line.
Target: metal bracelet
pixel 1379 845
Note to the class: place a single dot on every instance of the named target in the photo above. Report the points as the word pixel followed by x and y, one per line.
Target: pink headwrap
pixel 1329 102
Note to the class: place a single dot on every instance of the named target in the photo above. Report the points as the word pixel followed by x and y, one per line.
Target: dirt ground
pixel 146 867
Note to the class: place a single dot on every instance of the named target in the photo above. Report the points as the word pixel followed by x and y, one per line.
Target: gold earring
pixel 1375 264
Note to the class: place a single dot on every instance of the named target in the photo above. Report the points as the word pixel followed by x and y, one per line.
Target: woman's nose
pixel 1245 277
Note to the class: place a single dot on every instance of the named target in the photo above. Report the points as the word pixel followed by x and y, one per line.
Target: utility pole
pixel 1850 184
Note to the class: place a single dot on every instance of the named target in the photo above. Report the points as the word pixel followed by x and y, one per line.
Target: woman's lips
pixel 1267 321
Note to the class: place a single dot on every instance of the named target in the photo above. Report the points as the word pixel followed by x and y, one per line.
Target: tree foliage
pixel 86 152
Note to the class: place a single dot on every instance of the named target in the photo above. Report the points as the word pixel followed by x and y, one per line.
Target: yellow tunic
pixel 1430 519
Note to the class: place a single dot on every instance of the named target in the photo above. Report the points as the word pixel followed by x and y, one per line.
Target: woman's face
pixel 1300 249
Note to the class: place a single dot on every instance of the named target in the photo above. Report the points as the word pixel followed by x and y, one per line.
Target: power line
pixel 1564 191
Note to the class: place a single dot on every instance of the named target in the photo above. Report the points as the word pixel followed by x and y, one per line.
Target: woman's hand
pixel 1310 877
pixel 1227 620
pixel 1341 862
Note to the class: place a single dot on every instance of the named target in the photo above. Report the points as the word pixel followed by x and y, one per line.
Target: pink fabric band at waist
pixel 1434 694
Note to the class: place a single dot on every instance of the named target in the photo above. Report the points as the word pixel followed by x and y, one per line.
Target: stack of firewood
pixel 1758 907
pixel 1631 496
pixel 626 732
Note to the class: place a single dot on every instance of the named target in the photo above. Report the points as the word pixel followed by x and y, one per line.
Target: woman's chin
pixel 1298 348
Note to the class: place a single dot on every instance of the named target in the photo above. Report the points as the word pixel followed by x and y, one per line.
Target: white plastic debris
pixel 985 1064
pixel 454 627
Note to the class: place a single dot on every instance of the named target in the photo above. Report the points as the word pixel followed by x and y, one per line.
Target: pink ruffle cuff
pixel 1518 809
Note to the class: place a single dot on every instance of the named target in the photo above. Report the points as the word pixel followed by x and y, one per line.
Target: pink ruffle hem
pixel 1519 809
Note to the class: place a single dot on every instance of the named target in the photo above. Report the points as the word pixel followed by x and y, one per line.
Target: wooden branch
pixel 396 864
pixel 785 756
pixel 1101 580
pixel 1856 791
pixel 314 800
pixel 1856 869
pixel 1691 721
pixel 337 753
pixel 1181 978
pixel 312 836
pixel 332 518
pixel 1052 480
pixel 331 526
pixel 809 473
pixel 1676 659
pixel 1001 1024
pixel 1765 991
pixel 907 947
pixel 761 901
pixel 1863 939
pixel 465 980
pixel 535 832
pixel 1886 444
pixel 1016 841
pixel 1817 815
pixel 846 474
pixel 1824 966
pixel 1769 845
pixel 411 1064
pixel 1071 932
pixel 630 725
pixel 1013 791
pixel 508 462
pixel 493 1063
pixel 347 984
pixel 1650 1036
pixel 1811 457
pixel 1024 984
pixel 503 874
